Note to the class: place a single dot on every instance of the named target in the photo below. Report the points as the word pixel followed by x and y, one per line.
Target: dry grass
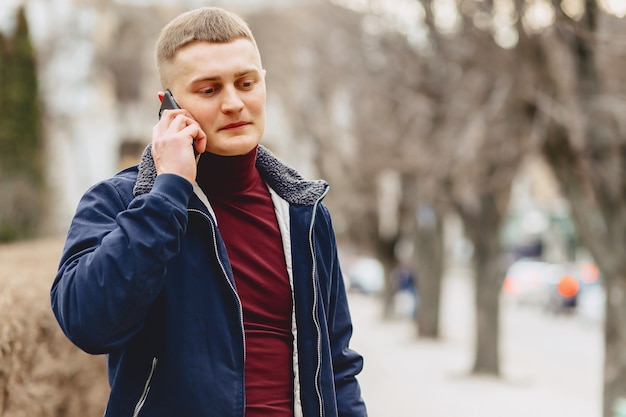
pixel 41 372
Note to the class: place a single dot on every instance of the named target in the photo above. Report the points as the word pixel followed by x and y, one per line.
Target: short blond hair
pixel 206 24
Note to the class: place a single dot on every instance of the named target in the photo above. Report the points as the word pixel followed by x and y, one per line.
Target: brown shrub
pixel 41 372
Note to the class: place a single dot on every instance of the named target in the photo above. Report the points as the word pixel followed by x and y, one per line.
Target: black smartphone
pixel 169 103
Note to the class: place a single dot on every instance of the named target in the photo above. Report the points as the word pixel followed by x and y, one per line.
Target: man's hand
pixel 172 144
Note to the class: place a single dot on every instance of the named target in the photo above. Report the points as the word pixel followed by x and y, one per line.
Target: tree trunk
pixel 615 343
pixel 429 271
pixel 385 253
pixel 600 227
pixel 487 281
pixel 482 226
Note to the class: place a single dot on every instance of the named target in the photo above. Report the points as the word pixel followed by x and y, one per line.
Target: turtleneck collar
pixel 227 174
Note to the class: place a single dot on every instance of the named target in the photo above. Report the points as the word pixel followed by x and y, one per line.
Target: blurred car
pixel 556 288
pixel 592 295
pixel 366 274
pixel 529 282
pixel 580 290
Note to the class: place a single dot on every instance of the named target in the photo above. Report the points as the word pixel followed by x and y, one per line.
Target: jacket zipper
pixel 230 284
pixel 146 389
pixel 315 291
pixel 315 306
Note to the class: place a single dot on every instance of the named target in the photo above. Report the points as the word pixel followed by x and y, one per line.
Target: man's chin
pixel 234 146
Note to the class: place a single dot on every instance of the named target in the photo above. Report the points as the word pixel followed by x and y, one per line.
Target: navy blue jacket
pixel 144 277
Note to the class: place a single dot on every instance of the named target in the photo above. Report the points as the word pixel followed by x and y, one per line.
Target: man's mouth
pixel 234 125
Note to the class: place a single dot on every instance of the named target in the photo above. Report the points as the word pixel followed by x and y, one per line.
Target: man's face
pixel 222 85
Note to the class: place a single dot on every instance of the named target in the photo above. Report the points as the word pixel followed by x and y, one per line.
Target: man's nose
pixel 231 102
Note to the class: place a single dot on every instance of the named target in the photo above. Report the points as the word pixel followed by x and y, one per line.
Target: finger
pixel 172 113
pixel 180 125
pixel 200 140
pixel 194 132
pixel 168 117
pixel 178 121
pixel 168 132
pixel 192 129
pixel 165 122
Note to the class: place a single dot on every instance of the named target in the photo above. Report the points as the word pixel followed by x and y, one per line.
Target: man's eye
pixel 247 84
pixel 211 90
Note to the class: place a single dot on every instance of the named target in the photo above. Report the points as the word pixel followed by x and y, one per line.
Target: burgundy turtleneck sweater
pixel 247 223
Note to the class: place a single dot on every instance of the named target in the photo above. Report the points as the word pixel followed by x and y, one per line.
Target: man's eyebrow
pixel 217 77
pixel 245 72
pixel 203 79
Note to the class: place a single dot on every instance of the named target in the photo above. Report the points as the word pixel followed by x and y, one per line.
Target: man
pixel 214 287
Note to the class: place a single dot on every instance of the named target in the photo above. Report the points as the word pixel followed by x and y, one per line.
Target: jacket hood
pixel 282 178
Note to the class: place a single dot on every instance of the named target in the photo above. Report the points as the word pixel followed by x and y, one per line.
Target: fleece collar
pixel 282 178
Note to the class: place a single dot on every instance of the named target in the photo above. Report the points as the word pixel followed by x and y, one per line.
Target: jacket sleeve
pixel 347 363
pixel 114 260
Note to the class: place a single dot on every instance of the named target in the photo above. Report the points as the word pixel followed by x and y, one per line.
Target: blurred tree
pixel 394 115
pixel 578 89
pixel 21 171
pixel 479 133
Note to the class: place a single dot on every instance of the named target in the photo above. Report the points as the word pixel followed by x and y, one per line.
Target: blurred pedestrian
pixel 406 294
pixel 211 282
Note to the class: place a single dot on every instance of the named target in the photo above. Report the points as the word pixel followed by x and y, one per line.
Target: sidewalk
pixel 407 377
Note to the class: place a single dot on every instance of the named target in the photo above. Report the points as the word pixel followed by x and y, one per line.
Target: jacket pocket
pixel 146 388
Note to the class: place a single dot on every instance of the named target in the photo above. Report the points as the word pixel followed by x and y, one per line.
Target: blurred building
pixel 98 85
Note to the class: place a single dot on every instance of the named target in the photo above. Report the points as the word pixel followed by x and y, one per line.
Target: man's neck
pixel 226 174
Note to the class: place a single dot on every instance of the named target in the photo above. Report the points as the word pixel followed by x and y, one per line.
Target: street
pixel 551 365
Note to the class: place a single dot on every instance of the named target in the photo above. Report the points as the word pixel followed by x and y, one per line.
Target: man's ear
pixel 160 94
